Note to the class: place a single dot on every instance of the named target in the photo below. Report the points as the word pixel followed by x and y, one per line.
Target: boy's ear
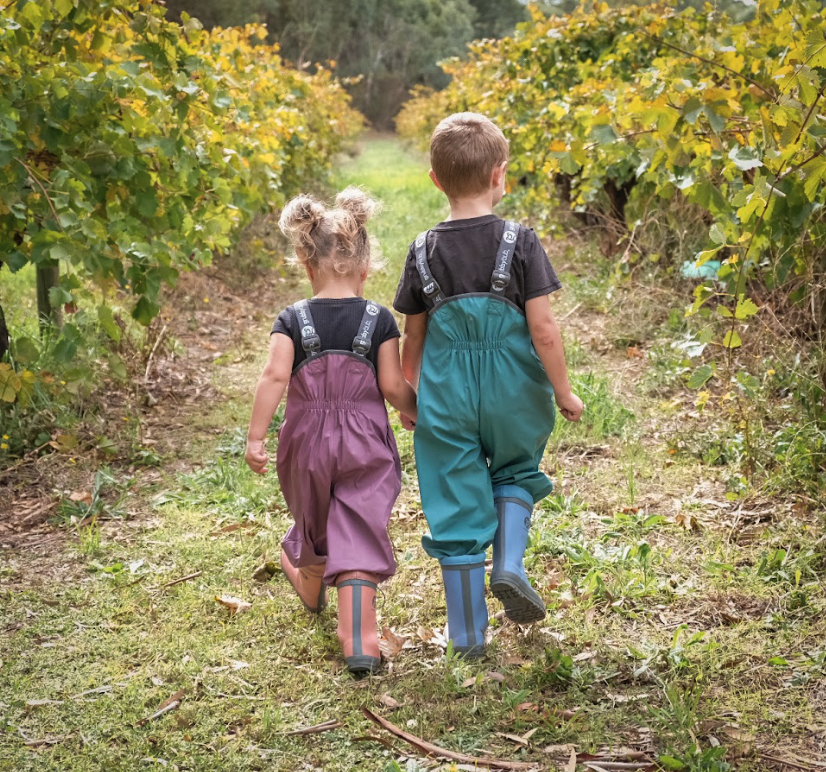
pixel 498 174
pixel 436 181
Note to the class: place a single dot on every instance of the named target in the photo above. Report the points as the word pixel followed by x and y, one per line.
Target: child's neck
pixel 337 287
pixel 468 208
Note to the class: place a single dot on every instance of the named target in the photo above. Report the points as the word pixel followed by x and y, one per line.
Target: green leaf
pixel 58 296
pixel 15 260
pixel 717 234
pixel 813 173
pixel 732 339
pixel 25 350
pixel 745 158
pixel 63 7
pixel 603 134
pixel 108 323
pixel 145 311
pixel 701 376
pixel 745 308
pixel 669 762
pixel 117 367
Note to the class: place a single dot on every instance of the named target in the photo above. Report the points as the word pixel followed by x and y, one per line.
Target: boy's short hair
pixel 464 150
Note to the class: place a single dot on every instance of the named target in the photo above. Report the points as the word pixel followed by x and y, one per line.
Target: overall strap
pixel 430 286
pixel 504 257
pixel 309 337
pixel 364 338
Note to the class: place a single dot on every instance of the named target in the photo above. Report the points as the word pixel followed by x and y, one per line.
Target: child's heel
pixel 357 621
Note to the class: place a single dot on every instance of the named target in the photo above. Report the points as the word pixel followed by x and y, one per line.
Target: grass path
pixel 673 619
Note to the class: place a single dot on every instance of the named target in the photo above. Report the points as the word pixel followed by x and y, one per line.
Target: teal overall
pixel 486 410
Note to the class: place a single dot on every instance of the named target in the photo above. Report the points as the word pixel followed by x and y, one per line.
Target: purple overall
pixel 337 460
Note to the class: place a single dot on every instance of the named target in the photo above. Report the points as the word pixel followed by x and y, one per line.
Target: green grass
pixel 662 630
pixel 410 204
pixel 18 297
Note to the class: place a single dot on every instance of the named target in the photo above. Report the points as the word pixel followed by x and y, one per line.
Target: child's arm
pixel 268 393
pixel 394 388
pixel 547 341
pixel 415 329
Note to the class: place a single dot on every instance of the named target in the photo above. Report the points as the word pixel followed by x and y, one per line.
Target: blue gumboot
pixel 467 614
pixel 508 581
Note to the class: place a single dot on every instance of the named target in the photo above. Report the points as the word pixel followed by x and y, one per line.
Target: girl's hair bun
pixel 299 217
pixel 357 204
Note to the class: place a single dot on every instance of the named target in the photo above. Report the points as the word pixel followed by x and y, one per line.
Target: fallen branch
pixel 179 581
pixel 786 762
pixel 170 704
pixel 325 726
pixel 618 766
pixel 428 749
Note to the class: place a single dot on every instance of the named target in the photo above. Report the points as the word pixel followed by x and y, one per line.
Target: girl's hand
pixel 407 422
pixel 570 405
pixel 256 456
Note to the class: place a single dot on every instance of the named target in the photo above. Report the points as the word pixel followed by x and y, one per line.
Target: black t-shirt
pixel 337 324
pixel 461 255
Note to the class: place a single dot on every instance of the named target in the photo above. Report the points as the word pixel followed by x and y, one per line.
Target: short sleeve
pixel 284 323
pixel 386 328
pixel 540 277
pixel 409 299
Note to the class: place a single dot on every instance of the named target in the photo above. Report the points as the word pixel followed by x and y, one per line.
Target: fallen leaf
pixel 235 605
pixel 390 643
pixel 513 738
pixel 468 682
pixel 389 702
pixel 571 765
pixel 82 496
pixel 492 675
pixel 632 352
pixel 583 655
pixel 238 664
pixel 265 572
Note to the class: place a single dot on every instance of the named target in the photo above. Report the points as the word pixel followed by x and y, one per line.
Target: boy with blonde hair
pixel 482 344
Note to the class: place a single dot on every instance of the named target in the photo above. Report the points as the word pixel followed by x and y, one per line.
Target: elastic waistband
pixel 475 345
pixel 332 404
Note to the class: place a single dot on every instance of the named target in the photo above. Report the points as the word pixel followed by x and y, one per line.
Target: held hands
pixel 570 405
pixel 407 422
pixel 256 456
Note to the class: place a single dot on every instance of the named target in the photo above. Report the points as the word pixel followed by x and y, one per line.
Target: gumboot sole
pixel 362 664
pixel 522 603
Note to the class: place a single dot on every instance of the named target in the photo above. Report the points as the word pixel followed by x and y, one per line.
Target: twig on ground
pixel 571 312
pixel 325 726
pixel 786 762
pixel 179 581
pixel 428 749
pixel 170 704
pixel 24 460
pixel 152 353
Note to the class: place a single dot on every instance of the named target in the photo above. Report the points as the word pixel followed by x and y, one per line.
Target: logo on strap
pixel 371 309
pixel 510 237
pixel 306 332
pixel 420 239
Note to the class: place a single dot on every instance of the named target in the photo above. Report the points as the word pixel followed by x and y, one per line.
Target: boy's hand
pixel 407 422
pixel 570 405
pixel 256 456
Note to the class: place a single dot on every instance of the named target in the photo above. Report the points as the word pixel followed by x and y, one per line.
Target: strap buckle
pixel 499 281
pixel 430 289
pixel 311 343
pixel 361 347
